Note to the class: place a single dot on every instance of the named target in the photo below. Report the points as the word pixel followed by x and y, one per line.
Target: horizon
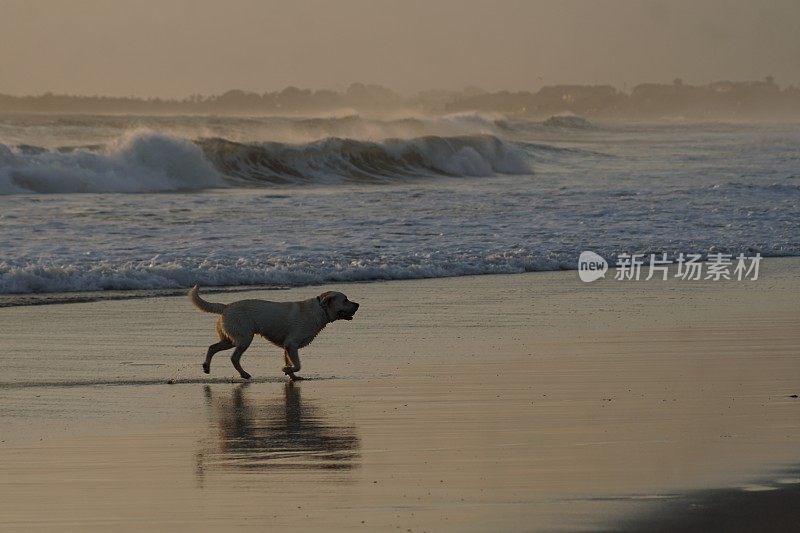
pixel 175 49
pixel 406 95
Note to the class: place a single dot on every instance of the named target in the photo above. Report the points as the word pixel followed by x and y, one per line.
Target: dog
pixel 289 325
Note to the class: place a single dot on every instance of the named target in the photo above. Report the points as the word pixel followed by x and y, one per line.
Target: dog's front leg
pixel 292 358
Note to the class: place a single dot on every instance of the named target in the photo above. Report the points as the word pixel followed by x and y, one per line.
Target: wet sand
pixel 529 402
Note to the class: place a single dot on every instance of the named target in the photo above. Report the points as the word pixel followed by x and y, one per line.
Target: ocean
pixel 93 204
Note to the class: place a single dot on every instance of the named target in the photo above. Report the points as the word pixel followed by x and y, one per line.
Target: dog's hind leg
pixel 237 354
pixel 223 344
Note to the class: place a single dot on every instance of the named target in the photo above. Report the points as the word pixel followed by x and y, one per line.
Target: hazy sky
pixel 179 47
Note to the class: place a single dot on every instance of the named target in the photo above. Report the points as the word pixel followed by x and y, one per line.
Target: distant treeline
pixel 718 100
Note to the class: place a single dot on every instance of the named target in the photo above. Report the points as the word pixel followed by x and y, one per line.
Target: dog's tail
pixel 203 305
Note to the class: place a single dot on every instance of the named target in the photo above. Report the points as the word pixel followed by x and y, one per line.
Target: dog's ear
pixel 326 298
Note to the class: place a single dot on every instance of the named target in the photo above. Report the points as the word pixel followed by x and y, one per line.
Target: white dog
pixel 290 325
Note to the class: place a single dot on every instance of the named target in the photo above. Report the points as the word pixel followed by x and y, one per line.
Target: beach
pixel 523 402
pixel 548 254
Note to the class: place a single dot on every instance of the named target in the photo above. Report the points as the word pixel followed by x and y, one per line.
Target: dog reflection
pixel 281 434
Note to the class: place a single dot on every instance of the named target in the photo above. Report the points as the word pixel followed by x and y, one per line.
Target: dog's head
pixel 337 306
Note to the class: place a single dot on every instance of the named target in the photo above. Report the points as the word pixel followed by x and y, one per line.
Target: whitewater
pixel 99 203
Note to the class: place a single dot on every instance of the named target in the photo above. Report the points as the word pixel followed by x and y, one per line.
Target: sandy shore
pixel 526 402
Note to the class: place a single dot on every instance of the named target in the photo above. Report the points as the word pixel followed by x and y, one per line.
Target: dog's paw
pixel 288 370
pixel 206 368
pixel 245 375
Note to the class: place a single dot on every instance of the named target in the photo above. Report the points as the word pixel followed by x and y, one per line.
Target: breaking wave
pixel 352 160
pixel 146 161
pixel 139 161
pixel 569 122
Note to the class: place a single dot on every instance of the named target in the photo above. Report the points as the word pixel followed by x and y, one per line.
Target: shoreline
pixel 70 297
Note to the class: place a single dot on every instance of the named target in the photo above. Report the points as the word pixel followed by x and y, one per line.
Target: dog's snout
pixel 354 303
